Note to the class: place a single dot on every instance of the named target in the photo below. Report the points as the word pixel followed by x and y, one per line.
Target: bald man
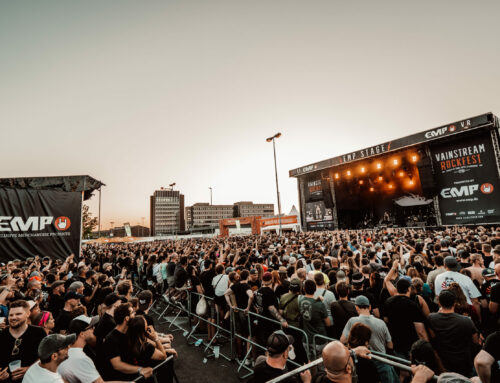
pixel 340 365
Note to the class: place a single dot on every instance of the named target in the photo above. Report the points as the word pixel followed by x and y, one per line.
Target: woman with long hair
pixel 45 320
pixel 141 352
pixel 461 305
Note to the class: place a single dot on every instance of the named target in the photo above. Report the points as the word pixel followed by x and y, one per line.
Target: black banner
pixel 313 190
pixel 414 139
pixel 39 222
pixel 467 180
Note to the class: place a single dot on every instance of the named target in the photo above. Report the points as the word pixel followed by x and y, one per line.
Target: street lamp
pixel 277 135
pixel 210 195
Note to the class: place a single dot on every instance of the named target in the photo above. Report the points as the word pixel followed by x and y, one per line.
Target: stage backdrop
pixel 467 181
pixel 39 222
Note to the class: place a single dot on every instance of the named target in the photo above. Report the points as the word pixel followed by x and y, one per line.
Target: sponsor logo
pixel 471 212
pixel 9 223
pixel 452 128
pixel 462 213
pixel 463 191
pixel 451 214
pixel 436 132
pixel 481 212
pixel 491 211
pixel 62 223
pixel 487 188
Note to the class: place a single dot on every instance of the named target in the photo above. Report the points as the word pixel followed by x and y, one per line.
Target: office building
pixel 249 209
pixel 204 215
pixel 167 212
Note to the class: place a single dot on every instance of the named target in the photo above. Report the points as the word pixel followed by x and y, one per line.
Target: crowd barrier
pixel 230 335
pixel 155 371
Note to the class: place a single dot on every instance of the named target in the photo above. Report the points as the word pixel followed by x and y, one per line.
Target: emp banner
pixel 467 181
pixel 39 222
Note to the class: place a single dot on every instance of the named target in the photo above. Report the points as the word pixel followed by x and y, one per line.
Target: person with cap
pixel 78 367
pixel 380 339
pixel 279 350
pixel 452 275
pixel 358 282
pixel 71 302
pixel 20 341
pixel 404 319
pixel 53 350
pixel 453 335
pixel 56 298
pixel 107 323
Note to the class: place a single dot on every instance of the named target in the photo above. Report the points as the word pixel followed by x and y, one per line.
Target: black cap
pixel 82 323
pixel 357 278
pixel 53 343
pixel 278 342
pixel 111 299
pixel 73 295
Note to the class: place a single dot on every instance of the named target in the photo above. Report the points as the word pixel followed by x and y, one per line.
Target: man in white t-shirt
pixel 451 275
pixel 53 350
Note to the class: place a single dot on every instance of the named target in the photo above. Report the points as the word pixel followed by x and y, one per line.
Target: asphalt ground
pixel 194 363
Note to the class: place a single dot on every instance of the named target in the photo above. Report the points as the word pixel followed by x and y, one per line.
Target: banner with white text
pixel 39 222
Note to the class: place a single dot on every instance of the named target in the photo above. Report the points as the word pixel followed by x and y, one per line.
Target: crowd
pixel 428 296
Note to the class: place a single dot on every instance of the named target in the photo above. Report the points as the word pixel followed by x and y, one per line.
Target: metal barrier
pixel 155 369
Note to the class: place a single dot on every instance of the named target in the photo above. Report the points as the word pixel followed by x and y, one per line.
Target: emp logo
pixel 62 223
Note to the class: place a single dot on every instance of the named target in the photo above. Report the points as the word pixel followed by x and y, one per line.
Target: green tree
pixel 89 222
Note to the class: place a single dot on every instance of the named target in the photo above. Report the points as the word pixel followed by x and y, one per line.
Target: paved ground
pixel 194 364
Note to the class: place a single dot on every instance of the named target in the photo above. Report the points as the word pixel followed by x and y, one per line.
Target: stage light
pixel 401 173
pixel 361 182
pixel 337 176
pixel 411 182
pixel 372 189
pixel 414 158
pixel 380 178
pixel 348 172
pixel 379 166
pixel 395 161
pixel 362 170
pixel 390 186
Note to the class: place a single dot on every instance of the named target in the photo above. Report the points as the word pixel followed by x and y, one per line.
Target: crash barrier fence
pixel 156 369
pixel 230 335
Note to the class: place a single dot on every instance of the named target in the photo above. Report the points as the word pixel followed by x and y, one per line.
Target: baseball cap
pixel 254 271
pixel 111 299
pixel 402 285
pixel 278 342
pixel 357 278
pixel 82 323
pixel 292 261
pixel 56 284
pixel 282 270
pixel 361 301
pixel 73 295
pixel 488 272
pixel 53 343
pixel 267 277
pixel 295 283
pixel 451 263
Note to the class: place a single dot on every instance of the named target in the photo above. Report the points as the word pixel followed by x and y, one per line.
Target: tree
pixel 89 222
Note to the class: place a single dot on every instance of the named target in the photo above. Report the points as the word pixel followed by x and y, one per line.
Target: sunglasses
pixel 15 349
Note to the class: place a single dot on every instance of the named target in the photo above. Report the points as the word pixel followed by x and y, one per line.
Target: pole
pixel 277 187
pixel 210 196
pixel 99 235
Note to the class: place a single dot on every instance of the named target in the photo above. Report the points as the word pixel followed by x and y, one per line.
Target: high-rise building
pixel 249 209
pixel 204 215
pixel 167 212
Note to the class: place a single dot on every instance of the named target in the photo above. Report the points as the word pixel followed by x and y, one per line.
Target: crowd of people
pixel 428 296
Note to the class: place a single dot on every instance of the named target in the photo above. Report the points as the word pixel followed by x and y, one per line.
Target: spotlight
pixel 362 170
pixel 361 182
pixel 411 182
pixel 390 186
pixel 414 158
pixel 395 161
pixel 379 166
pixel 380 178
pixel 337 176
pixel 372 189
pixel 348 172
pixel 401 173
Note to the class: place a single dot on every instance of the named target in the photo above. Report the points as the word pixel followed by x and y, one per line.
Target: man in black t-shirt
pixel 487 362
pixel 106 323
pixel 253 280
pixel 279 346
pixel 266 304
pixel 72 300
pixel 452 335
pixel 405 319
pixel 56 298
pixel 20 341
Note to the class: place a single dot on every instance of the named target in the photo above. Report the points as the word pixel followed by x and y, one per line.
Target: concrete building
pixel 204 215
pixel 166 212
pixel 249 209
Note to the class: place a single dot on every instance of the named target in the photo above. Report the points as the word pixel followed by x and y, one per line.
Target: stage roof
pixel 84 184
pixel 481 121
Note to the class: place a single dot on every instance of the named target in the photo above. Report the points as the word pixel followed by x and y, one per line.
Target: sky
pixel 141 94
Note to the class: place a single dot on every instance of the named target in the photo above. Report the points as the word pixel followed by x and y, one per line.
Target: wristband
pixel 139 371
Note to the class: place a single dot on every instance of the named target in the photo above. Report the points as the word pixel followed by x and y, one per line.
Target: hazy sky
pixel 140 94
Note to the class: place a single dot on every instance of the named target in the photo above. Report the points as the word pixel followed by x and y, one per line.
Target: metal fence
pixel 175 309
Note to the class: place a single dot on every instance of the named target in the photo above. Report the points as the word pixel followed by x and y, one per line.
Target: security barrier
pixel 155 371
pixel 311 345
